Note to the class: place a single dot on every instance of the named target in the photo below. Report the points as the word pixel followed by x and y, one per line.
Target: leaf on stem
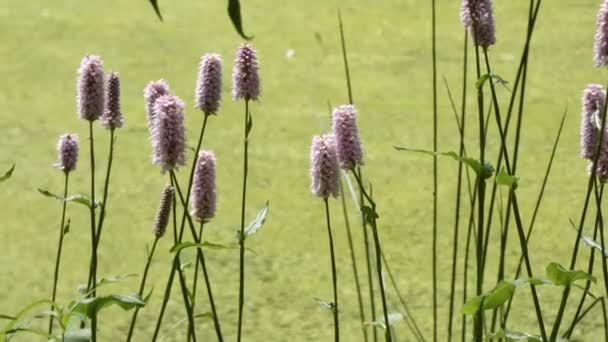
pixel 559 275
pixel 7 174
pixel 327 305
pixel 257 224
pixel 66 228
pixel 369 214
pixel 205 244
pixel 593 244
pixel 486 170
pixel 77 335
pixel 503 178
pixel 482 80
pixel 204 315
pixel 392 319
pixel 234 12
pixel 78 198
pixel 91 306
pixel 154 4
pixel 512 336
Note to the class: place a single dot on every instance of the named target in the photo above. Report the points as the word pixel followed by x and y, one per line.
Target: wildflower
pixel 348 145
pixel 67 152
pixel 90 88
pixel 203 195
pixel 324 169
pixel 162 215
pixel 476 15
pixel 112 116
pixel 209 84
pixel 593 104
pixel 168 136
pixel 600 46
pixel 152 92
pixel 245 78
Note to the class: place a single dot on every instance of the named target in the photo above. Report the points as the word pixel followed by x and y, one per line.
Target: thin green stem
pixel 93 266
pixel 141 288
pixel 104 204
pixel 334 275
pixel 435 186
pixel 353 263
pixel 242 233
pixel 59 248
pixel 195 280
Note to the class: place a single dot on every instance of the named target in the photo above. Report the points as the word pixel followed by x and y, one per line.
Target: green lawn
pixel 389 51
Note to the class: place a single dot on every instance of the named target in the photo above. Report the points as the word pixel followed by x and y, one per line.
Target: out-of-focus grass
pixel 388 40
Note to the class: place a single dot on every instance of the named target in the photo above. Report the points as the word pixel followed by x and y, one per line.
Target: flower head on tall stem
pixel 152 92
pixel 112 116
pixel 203 195
pixel 593 102
pixel 346 134
pixel 245 78
pixel 477 16
pixel 67 152
pixel 324 167
pixel 164 209
pixel 600 46
pixel 90 88
pixel 168 135
pixel 209 84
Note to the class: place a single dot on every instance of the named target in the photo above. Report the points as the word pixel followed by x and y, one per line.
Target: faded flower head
pixel 152 92
pixel 168 135
pixel 209 84
pixel 90 88
pixel 348 145
pixel 593 103
pixel 600 46
pixel 203 196
pixel 164 211
pixel 476 15
pixel 112 116
pixel 245 78
pixel 67 152
pixel 324 168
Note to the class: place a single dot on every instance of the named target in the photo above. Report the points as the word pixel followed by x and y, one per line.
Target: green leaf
pixel 204 315
pixel 154 4
pixel 66 228
pixel 77 335
pixel 392 319
pixel 559 275
pixel 7 317
pixel 327 305
pixel 110 280
pixel 22 313
pixel 511 336
pixel 497 296
pixel 78 198
pixel 485 170
pixel 482 80
pixel 503 178
pixel 258 222
pixel 369 214
pixel 205 244
pixel 7 174
pixel 234 12
pixel 91 306
pixel 249 126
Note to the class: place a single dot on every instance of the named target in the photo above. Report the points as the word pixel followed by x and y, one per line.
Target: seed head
pixel 245 78
pixel 324 168
pixel 164 210
pixel 203 197
pixel 168 136
pixel 593 103
pixel 476 15
pixel 209 84
pixel 90 88
pixel 152 92
pixel 112 116
pixel 600 46
pixel 348 145
pixel 67 152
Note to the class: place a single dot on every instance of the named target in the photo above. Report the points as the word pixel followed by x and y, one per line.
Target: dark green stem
pixel 334 275
pixel 59 248
pixel 434 246
pixel 141 288
pixel 242 233
pixel 93 266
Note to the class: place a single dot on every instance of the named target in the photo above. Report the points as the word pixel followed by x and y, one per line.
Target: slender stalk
pixel 93 266
pixel 195 280
pixel 353 263
pixel 59 248
pixel 374 229
pixel 141 289
pixel 345 58
pixel 242 233
pixel 334 274
pixel 434 246
pixel 104 204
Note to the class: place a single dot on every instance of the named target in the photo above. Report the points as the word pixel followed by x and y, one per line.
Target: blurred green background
pixel 389 51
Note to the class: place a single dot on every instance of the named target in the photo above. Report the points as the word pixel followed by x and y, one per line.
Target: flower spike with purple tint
pixel 324 168
pixel 67 153
pixel 112 116
pixel 477 16
pixel 152 92
pixel 245 78
pixel 203 195
pixel 600 46
pixel 593 102
pixel 346 134
pixel 209 84
pixel 168 136
pixel 90 88
pixel 164 209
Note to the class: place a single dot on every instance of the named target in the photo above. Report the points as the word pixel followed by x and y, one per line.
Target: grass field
pixel 389 51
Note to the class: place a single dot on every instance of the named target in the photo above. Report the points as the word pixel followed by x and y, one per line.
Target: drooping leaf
pixel 499 295
pixel 154 4
pixel 7 174
pixel 484 78
pixel 257 224
pixel 23 313
pixel 234 12
pixel 110 280
pixel 503 178
pixel 593 244
pixel 28 330
pixel 393 318
pixel 77 335
pixel 485 170
pixel 559 275
pixel 513 336
pixel 205 244
pixel 91 306
pixel 78 198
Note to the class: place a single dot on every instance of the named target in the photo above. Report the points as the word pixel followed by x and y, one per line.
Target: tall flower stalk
pixel 245 86
pixel 90 100
pixel 67 150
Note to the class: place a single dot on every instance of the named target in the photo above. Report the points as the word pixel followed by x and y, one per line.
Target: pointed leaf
pixel 503 178
pixel 485 170
pixel 326 305
pixel 154 4
pixel 257 223
pixel 369 214
pixel 234 12
pixel 91 306
pixel 392 319
pixel 205 244
pixel 110 280
pixel 78 198
pixel 66 228
pixel 511 336
pixel 559 275
pixel 593 244
pixel 7 174
pixel 484 78
pixel 77 335
pixel 204 315
pixel 22 313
